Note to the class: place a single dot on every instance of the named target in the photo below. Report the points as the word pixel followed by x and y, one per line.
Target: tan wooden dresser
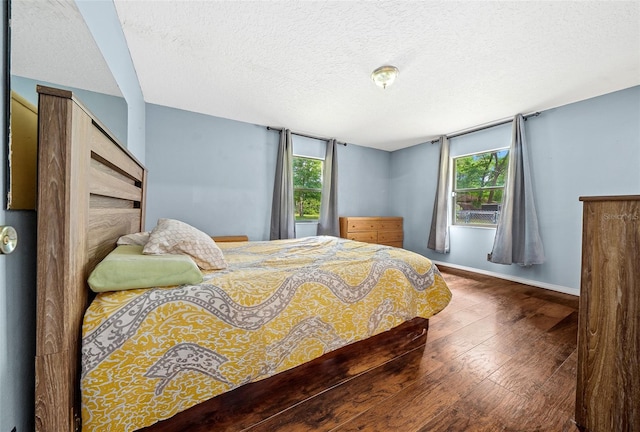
pixel 608 372
pixel 381 230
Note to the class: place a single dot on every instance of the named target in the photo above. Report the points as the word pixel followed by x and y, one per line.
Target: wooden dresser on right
pixel 608 372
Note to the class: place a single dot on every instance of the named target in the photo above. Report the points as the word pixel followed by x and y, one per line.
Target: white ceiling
pixel 307 65
pixel 51 42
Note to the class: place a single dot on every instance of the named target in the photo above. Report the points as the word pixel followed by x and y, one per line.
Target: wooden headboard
pixel 90 191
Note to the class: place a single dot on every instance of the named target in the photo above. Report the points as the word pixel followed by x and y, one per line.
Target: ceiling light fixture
pixel 384 76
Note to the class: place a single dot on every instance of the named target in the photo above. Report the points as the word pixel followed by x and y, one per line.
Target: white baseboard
pixel 552 287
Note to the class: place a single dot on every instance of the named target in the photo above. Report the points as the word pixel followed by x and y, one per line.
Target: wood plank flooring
pixel 500 357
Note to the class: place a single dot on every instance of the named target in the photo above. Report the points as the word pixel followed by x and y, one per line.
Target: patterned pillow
pixel 171 236
pixel 138 239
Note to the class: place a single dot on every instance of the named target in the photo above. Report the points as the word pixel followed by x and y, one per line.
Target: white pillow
pixel 171 236
pixel 135 239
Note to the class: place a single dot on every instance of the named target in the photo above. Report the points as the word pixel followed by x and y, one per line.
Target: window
pixel 307 187
pixel 478 187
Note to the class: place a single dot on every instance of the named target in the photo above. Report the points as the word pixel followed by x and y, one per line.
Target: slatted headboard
pixel 90 191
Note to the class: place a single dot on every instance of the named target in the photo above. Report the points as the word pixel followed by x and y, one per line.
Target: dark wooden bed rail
pixel 90 191
pixel 252 403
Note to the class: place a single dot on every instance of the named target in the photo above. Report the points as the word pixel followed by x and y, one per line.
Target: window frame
pixel 295 189
pixel 455 191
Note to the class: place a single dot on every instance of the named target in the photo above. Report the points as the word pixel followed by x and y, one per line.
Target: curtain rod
pixel 487 126
pixel 307 136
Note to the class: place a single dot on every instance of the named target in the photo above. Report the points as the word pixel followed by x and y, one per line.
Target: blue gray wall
pixel 217 174
pixel 363 182
pixel 586 148
pixel 111 110
pixel 212 173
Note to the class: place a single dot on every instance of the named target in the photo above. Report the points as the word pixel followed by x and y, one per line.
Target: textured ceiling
pixel 51 42
pixel 306 65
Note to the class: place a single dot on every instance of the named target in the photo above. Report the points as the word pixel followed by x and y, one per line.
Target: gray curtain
pixel 282 210
pixel 328 223
pixel 517 238
pixel 439 234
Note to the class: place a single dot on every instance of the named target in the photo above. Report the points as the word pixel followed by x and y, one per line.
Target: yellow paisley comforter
pixel 148 354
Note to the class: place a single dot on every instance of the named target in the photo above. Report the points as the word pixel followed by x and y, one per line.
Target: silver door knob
pixel 8 239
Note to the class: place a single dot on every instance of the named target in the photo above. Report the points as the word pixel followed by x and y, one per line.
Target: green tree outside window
pixel 307 187
pixel 479 181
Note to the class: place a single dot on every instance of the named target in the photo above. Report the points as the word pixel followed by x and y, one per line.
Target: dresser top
pixel 370 217
pixel 611 198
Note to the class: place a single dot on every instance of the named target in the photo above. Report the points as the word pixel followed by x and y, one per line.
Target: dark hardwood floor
pixel 500 357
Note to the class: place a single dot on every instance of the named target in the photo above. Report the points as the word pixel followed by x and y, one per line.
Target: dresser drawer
pixel 391 224
pixel 390 236
pixel 363 224
pixel 363 236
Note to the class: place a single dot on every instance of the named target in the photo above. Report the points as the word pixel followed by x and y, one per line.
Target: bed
pixel 326 299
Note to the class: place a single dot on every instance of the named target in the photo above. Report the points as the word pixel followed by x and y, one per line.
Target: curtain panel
pixel 439 233
pixel 328 223
pixel 283 224
pixel 517 236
